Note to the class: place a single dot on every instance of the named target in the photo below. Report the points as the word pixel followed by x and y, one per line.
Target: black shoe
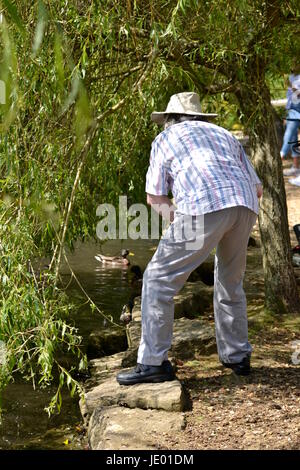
pixel 149 374
pixel 240 368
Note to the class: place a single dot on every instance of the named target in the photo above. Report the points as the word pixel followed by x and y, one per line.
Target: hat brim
pixel 159 117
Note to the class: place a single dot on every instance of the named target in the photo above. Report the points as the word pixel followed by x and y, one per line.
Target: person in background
pixel 292 123
pixel 216 193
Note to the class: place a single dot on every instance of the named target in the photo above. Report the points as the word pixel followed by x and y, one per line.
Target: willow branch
pixel 109 319
pixel 85 150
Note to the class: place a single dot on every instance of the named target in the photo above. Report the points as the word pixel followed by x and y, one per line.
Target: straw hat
pixel 182 103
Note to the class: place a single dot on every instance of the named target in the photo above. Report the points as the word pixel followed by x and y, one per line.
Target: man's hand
pixel 259 190
pixel 163 205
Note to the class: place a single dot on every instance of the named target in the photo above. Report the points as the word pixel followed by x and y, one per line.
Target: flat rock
pixel 103 368
pixel 134 334
pixel 106 363
pixel 111 364
pixel 168 396
pixel 120 428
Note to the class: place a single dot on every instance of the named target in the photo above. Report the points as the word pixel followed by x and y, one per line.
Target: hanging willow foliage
pixel 65 81
pixel 81 80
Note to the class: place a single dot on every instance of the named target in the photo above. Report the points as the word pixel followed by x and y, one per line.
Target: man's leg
pixel 229 297
pixel 164 277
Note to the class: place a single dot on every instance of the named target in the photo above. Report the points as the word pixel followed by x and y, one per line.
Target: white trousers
pixel 228 230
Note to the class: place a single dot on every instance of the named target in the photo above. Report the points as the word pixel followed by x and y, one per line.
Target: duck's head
pixel 124 253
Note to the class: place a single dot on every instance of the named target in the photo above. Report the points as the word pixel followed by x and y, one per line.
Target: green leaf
pixel 13 12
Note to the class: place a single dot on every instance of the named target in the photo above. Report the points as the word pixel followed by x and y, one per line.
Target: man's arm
pixel 163 205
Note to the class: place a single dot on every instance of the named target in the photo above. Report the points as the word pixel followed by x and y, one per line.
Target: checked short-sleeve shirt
pixel 204 166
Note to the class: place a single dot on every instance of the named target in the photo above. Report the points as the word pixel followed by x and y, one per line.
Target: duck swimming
pixel 115 260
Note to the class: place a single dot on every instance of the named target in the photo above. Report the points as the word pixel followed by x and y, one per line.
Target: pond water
pixel 25 424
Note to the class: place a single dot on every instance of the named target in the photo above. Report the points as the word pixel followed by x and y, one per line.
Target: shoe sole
pixel 237 372
pixel 242 372
pixel 157 379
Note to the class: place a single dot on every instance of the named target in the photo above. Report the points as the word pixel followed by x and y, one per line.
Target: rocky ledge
pixel 168 396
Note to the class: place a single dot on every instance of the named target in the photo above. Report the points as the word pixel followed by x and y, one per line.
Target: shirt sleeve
pixel 158 180
pixel 248 166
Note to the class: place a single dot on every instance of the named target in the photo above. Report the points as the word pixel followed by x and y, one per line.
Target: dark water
pixel 108 286
pixel 25 424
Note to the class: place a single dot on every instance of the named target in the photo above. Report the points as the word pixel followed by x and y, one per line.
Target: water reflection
pixel 108 286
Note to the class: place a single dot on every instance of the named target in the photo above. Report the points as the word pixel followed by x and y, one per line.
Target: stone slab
pixel 168 396
pixel 118 428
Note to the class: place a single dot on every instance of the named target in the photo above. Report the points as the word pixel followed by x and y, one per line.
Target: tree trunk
pixel 261 124
pixel 281 293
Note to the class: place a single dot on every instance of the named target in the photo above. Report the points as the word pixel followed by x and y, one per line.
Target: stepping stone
pixel 136 310
pixel 119 428
pixel 168 396
pixel 103 368
pixel 112 362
